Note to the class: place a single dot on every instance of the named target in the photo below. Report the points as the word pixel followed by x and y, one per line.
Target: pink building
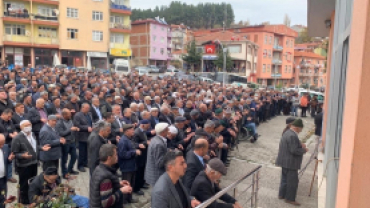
pixel 151 41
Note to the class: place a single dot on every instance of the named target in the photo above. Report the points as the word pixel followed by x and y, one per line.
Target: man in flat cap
pixel 205 185
pixel 127 151
pixel 141 140
pixel 49 136
pixel 156 151
pixel 290 155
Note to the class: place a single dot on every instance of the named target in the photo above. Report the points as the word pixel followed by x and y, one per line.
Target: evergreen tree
pixel 193 56
pixel 220 61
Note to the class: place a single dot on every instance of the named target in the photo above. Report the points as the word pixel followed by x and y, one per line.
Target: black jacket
pixel 94 114
pixel 202 190
pixel 104 174
pixel 165 119
pixel 34 117
pixel 38 188
pixel 6 105
pixel 193 169
pixel 20 145
pixel 140 137
pixel 80 121
pixel 17 120
pixel 318 124
pixel 94 143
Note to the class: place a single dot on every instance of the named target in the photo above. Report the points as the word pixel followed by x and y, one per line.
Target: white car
pixel 210 81
pixel 171 72
pixel 142 71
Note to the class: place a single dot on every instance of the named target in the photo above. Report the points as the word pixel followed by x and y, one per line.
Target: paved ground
pixel 249 156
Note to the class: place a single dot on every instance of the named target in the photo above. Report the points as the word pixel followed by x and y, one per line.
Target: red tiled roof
pixel 221 36
pixel 308 54
pixel 179 52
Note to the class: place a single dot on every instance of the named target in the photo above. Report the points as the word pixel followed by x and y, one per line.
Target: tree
pixel 193 56
pixel 303 37
pixel 247 23
pixel 220 61
pixel 287 20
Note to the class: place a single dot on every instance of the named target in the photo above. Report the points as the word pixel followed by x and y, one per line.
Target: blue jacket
pixel 126 155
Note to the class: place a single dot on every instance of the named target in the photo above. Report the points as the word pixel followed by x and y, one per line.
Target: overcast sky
pixel 256 11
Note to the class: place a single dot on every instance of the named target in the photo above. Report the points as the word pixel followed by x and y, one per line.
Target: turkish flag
pixel 211 49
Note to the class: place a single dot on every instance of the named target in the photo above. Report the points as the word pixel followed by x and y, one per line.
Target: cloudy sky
pixel 256 11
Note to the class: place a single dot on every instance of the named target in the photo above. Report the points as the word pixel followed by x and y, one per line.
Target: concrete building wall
pixel 85 25
pixel 158 38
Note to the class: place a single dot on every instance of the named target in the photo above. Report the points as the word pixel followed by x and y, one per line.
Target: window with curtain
pixel 47 32
pixel 15 29
pixel 97 35
pixel 116 38
pixel 72 33
pixel 97 16
pixel 46 11
pixel 235 48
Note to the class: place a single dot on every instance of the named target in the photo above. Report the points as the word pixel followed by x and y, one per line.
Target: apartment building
pixel 151 41
pixel 309 69
pixel 86 33
pixel 243 52
pixel 275 53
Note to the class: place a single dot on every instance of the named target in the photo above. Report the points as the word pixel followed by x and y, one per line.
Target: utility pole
pixel 224 68
pixel 225 16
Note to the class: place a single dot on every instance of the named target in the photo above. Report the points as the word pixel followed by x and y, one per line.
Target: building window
pixel 15 29
pixel 292 43
pixel 46 11
pixel 265 39
pixel 268 67
pixel 264 53
pixel 116 38
pixel 119 2
pixel 270 42
pixel 72 13
pixel 162 39
pixel 287 43
pixel 47 32
pixel 97 16
pixel 270 56
pixel 290 69
pixel 264 68
pixel 116 19
pixel 97 35
pixel 162 51
pixel 72 33
pixel 200 49
pixel 154 50
pixel 234 48
pixel 286 69
pixel 256 38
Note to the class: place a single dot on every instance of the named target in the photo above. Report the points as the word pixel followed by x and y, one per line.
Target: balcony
pixel 278 48
pixel 17 40
pixel 277 62
pixel 51 2
pixel 46 41
pixel 120 28
pixel 169 35
pixel 122 9
pixel 277 75
pixel 17 16
pixel 45 20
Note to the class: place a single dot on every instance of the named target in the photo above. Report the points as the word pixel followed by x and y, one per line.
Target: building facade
pixel 243 52
pixel 76 33
pixel 275 53
pixel 309 69
pixel 151 42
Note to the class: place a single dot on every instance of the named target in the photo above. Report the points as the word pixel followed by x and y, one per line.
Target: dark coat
pixel 165 119
pixel 34 117
pixel 17 120
pixel 152 122
pixel 94 114
pixel 80 121
pixel 71 106
pixel 63 131
pixel 290 151
pixel 126 151
pixel 50 136
pixel 165 195
pixel 37 187
pixel 318 124
pixel 20 145
pixel 193 169
pixel 140 137
pixel 94 143
pixel 203 190
pixel 6 105
pixel 116 129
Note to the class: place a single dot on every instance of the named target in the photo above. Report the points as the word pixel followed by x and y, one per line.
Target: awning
pixel 237 59
pixel 209 57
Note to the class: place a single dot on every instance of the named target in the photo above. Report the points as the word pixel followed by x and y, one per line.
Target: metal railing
pixel 254 192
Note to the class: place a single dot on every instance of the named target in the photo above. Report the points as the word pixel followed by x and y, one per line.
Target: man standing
pixel 290 155
pixel 4 101
pixel 140 138
pixel 168 191
pixel 95 110
pixel 83 121
pixel 195 162
pixel 156 151
pixel 7 128
pixel 97 139
pixel 65 129
pixel 18 116
pixel 38 117
pixel 127 152
pixel 49 136
pixel 105 188
pixel 205 185
pixel 25 150
pixel 5 158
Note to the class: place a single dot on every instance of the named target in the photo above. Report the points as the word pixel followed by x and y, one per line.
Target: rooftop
pixel 222 36
pixel 308 54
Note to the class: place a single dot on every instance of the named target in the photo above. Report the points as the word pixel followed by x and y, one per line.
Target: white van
pixel 122 66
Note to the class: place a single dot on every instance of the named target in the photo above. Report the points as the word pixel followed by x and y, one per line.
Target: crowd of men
pixel 173 135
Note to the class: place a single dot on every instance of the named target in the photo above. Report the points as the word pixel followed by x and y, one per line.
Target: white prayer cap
pixel 160 127
pixel 173 130
pixel 23 122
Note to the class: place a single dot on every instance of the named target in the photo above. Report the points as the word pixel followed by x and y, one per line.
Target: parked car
pixel 320 96
pixel 153 69
pixel 171 72
pixel 142 70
